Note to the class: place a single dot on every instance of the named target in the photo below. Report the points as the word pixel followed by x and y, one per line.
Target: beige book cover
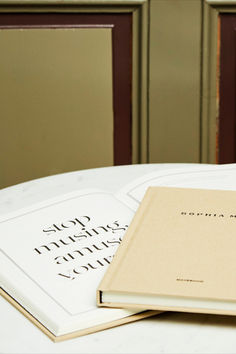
pixel 178 254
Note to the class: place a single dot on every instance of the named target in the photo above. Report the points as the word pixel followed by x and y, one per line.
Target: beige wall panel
pixel 55 102
pixel 175 42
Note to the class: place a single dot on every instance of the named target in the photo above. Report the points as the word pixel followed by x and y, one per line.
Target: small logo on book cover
pixel 190 280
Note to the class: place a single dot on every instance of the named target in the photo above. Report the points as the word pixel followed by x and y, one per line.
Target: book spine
pixel 123 249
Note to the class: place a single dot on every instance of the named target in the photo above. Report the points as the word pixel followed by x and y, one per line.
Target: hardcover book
pixel 53 256
pixel 178 254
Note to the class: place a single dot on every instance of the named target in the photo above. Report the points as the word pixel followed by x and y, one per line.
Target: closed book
pixel 179 254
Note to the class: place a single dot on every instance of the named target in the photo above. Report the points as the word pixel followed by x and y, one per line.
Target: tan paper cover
pixel 181 243
pixel 83 332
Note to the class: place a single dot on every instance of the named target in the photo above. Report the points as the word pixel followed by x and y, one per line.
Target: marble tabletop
pixel 165 333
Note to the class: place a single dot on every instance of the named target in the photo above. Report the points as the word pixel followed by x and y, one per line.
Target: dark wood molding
pixel 121 24
pixel 227 89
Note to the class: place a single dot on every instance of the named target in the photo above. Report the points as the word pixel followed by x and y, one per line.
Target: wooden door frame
pixel 210 77
pixel 140 13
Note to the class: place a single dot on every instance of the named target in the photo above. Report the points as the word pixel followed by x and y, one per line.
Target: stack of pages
pixel 178 253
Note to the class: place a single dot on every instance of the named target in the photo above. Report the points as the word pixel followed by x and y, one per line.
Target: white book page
pixel 208 177
pixel 54 255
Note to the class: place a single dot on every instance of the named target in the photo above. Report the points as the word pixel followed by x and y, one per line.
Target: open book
pixel 53 256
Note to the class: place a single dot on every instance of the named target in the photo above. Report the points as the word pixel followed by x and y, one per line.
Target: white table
pixel 166 333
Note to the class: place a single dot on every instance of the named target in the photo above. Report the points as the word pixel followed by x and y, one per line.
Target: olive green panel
pixel 174 97
pixel 55 101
